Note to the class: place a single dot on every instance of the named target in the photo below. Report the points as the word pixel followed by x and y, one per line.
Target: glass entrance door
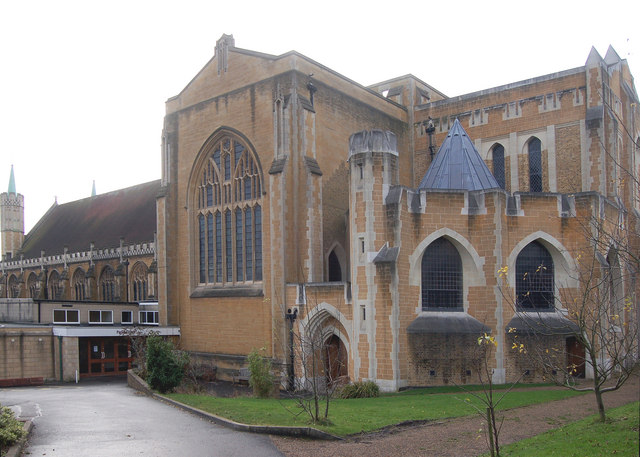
pixel 105 356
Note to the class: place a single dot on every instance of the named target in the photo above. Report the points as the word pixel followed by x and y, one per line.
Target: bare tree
pixel 315 368
pixel 483 355
pixel 598 315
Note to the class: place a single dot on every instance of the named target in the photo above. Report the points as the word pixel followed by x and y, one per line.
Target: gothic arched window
pixel 441 276
pixel 107 284
pixel 229 214
pixel 534 278
pixel 53 284
pixel 79 283
pixel 535 165
pixel 32 285
pixel 14 287
pixel 497 154
pixel 139 281
pixel 335 271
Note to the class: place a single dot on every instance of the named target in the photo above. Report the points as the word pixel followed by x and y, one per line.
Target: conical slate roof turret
pixel 458 165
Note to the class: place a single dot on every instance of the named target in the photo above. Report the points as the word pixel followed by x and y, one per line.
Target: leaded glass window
pixel 54 285
pixel 441 276
pixel 139 275
pixel 498 165
pixel 107 284
pixel 534 278
pixel 14 287
pixel 32 286
pixel 535 165
pixel 229 216
pixel 79 284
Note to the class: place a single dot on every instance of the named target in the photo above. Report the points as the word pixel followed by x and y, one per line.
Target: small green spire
pixel 12 182
pixel 93 189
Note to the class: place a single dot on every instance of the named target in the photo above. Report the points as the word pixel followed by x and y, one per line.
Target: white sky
pixel 84 82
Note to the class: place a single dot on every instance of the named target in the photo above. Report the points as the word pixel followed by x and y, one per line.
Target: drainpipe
pixel 60 355
pixel 291 317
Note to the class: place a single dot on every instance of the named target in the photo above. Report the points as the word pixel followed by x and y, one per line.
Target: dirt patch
pixel 462 436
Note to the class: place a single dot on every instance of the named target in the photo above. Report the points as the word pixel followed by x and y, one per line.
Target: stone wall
pixel 26 353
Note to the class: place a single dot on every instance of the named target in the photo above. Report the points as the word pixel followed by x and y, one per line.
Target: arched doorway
pixel 335 360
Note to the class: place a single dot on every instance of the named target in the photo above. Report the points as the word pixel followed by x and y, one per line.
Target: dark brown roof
pixel 129 213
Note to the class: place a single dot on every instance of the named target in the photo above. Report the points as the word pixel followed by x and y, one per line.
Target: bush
pixel 260 377
pixel 10 428
pixel 359 389
pixel 165 365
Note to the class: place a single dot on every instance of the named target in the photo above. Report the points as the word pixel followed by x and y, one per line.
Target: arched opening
pixel 335 271
pixel 139 275
pixel 54 289
pixel 14 287
pixel 107 284
pixel 535 165
pixel 32 286
pixel 335 360
pixel 227 196
pixel 535 278
pixel 441 276
pixel 79 284
pixel 498 164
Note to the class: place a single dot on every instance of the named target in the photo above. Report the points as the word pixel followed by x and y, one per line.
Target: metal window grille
pixel 441 276
pixel 534 278
pixel 498 165
pixel 535 165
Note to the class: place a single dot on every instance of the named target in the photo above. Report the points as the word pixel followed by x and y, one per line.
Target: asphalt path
pixel 106 418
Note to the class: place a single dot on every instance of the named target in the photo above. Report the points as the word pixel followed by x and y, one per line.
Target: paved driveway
pixel 105 418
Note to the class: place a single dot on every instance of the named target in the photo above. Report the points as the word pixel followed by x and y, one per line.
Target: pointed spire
pixel 594 58
pixel 93 189
pixel 612 56
pixel 458 165
pixel 12 182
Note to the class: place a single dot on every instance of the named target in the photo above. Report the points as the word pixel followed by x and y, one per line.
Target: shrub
pixel 165 365
pixel 260 377
pixel 366 389
pixel 10 428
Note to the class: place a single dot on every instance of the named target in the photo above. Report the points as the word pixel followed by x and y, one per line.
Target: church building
pixel 391 223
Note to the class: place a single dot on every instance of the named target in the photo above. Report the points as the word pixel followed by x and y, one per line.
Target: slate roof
pixel 435 322
pixel 542 323
pixel 129 213
pixel 458 165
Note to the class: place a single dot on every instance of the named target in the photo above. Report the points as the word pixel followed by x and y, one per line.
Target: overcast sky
pixel 84 82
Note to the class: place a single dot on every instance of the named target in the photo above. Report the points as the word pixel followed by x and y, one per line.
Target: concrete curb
pixel 309 432
pixel 16 449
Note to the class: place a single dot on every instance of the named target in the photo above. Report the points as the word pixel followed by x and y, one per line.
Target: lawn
pixel 585 438
pixel 365 414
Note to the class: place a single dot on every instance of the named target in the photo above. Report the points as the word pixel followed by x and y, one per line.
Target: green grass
pixel 363 414
pixel 585 438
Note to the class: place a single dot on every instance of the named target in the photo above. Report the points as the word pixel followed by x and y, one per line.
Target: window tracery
pixel 54 285
pixel 107 284
pixel 229 215
pixel 79 283
pixel 139 276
